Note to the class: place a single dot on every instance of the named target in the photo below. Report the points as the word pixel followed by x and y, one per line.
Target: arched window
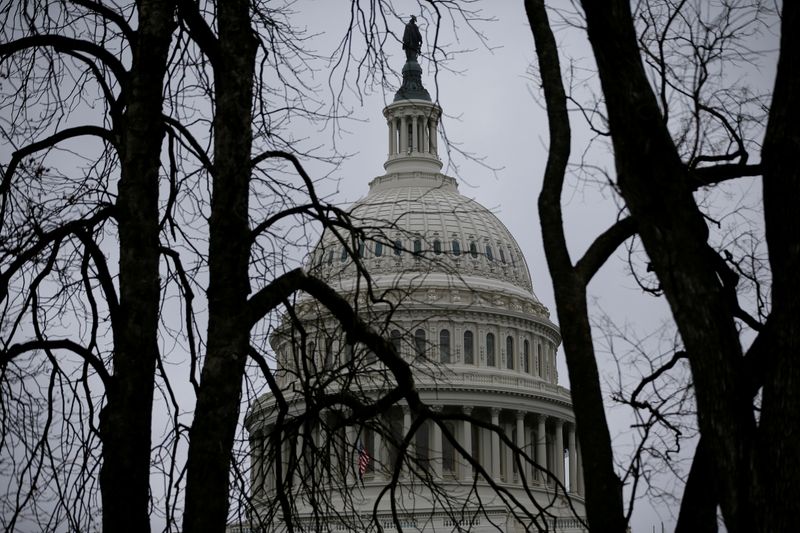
pixel 469 348
pixel 490 349
pixel 437 246
pixel 361 248
pixel 510 352
pixel 419 343
pixel 343 257
pixel 396 340
pixel 473 250
pixel 456 247
pixel 489 255
pixel 444 346
pixel 417 246
pixel 539 360
pixel 330 257
pixel 526 352
pixel 378 249
pixel 502 255
pixel 398 247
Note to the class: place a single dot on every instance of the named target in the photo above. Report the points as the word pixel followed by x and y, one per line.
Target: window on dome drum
pixel 351 352
pixel 444 346
pixel 327 363
pixel 473 250
pixel 502 255
pixel 469 348
pixel 367 440
pixel 448 451
pixel 330 257
pixel 510 352
pixel 396 339
pixel 539 359
pixel 398 247
pixel 456 247
pixel 526 350
pixel 371 356
pixel 437 247
pixel 343 258
pixel 489 255
pixel 417 246
pixel 378 249
pixel 419 343
pixel 490 349
pixel 361 248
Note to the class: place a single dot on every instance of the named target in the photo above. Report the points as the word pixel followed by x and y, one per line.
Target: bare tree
pixel 669 139
pixel 151 189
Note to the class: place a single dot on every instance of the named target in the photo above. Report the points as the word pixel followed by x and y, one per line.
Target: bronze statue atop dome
pixel 412 40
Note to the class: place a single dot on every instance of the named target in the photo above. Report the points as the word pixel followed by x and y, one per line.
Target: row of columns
pixel 422 138
pixel 546 448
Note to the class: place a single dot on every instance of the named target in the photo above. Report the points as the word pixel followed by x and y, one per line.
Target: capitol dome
pixel 441 277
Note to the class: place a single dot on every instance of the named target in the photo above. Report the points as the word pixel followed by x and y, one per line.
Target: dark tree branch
pixel 18 349
pixel 602 248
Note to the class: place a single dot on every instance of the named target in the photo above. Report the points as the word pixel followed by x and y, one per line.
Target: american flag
pixel 363 459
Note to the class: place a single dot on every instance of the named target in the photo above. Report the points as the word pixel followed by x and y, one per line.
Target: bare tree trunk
pixel 218 401
pixel 126 419
pixel 778 454
pixel 604 506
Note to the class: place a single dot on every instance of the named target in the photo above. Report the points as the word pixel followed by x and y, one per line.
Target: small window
pixel 489 255
pixel 419 342
pixel 473 250
pixel 444 346
pixel 417 246
pixel 344 254
pixel 469 348
pixel 502 254
pixel 490 349
pixel 398 247
pixel 510 352
pixel 330 257
pixel 437 247
pixel 456 247
pixel 361 248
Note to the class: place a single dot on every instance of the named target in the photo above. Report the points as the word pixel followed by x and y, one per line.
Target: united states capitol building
pixel 442 278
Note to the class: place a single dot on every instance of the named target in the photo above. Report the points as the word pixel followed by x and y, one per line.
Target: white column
pixel 541 445
pixel 573 461
pixel 559 455
pixel 414 134
pixel 520 440
pixel 436 445
pixel 403 134
pixel 466 443
pixel 495 445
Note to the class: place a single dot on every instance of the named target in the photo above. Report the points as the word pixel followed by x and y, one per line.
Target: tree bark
pixel 126 420
pixel 218 400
